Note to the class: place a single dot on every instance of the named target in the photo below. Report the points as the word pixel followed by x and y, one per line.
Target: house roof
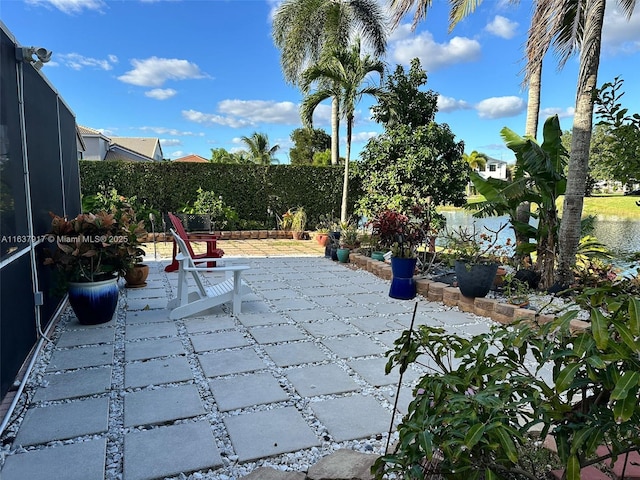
pixel 495 160
pixel 88 132
pixel 118 152
pixel 192 158
pixel 144 145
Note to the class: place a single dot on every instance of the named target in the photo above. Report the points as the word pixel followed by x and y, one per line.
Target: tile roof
pixel 144 145
pixel 192 158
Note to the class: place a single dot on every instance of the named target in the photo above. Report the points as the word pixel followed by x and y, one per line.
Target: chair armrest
pixel 230 268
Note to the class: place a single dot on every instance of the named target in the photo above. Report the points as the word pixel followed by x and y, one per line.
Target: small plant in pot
pixel 477 258
pixel 323 228
pixel 402 235
pixel 348 241
pixel 298 223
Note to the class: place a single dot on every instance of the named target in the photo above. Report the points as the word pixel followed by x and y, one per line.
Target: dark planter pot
pixel 343 255
pixel 334 254
pixel 94 302
pixel 475 280
pixel 403 286
pixel 137 276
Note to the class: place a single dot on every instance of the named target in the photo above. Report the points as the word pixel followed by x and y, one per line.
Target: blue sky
pixel 200 74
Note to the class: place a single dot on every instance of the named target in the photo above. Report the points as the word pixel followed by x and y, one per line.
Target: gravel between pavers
pixel 231 469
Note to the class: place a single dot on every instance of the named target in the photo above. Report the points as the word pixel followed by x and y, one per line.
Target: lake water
pixel 621 235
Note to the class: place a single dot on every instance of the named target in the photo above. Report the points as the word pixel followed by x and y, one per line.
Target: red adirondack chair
pixel 211 241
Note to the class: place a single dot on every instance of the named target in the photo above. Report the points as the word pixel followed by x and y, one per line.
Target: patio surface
pixel 298 374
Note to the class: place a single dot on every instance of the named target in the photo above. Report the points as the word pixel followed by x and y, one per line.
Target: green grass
pixel 598 205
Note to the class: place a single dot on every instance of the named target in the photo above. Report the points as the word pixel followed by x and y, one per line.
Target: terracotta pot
pixel 137 276
pixel 322 239
pixel 297 235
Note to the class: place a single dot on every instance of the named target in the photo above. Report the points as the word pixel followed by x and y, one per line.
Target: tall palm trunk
pixel 569 235
pixel 523 211
pixel 335 131
pixel 345 180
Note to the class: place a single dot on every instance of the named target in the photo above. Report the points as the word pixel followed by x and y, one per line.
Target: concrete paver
pixel 277 334
pixel 354 346
pixel 295 353
pixel 147 316
pixel 330 328
pixel 247 390
pixel 91 356
pixel 170 403
pixel 153 348
pixel 208 324
pixel 257 319
pixel 321 380
pixel 219 340
pixel 76 461
pixel 66 420
pixel 263 434
pixel 74 384
pixel 228 362
pixel 86 335
pixel 157 372
pixel 167 451
pixel 164 329
pixel 348 418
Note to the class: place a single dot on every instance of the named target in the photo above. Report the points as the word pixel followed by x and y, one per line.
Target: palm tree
pixel 476 161
pixel 303 29
pixel 259 150
pixel 340 75
pixel 570 26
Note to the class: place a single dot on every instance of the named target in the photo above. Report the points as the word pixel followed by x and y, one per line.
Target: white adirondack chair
pixel 202 298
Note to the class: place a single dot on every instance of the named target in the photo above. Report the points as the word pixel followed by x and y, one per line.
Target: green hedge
pixel 249 189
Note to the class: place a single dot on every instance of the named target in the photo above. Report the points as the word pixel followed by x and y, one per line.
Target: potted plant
pixel 402 235
pixel 477 258
pixel 298 223
pixel 125 215
pixel 92 251
pixel 322 230
pixel 348 241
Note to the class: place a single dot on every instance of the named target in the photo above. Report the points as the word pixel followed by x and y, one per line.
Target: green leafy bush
pixel 475 407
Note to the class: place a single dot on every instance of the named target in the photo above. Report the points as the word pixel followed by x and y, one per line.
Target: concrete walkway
pixel 298 374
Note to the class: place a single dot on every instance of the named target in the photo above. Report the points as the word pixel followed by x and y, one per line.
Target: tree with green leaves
pixel 258 149
pixel 304 29
pixel 415 158
pixel 306 143
pixel 221 155
pixel 340 75
pixel 621 149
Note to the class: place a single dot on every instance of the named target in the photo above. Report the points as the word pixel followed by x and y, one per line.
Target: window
pixel 492 167
pixel 481 168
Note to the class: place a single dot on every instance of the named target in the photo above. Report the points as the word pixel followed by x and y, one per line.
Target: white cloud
pixel 433 55
pixel 449 104
pixel 170 131
pixel 261 111
pixel 211 119
pixel 78 62
pixel 177 154
pixel 160 93
pixel 70 6
pixel 500 107
pixel 170 142
pixel 561 112
pixel 619 34
pixel 362 136
pixel 502 27
pixel 154 71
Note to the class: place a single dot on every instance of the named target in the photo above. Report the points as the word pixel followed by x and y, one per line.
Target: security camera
pixel 43 54
pixel 26 54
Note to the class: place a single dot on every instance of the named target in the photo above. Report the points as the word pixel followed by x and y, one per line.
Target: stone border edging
pixel 503 313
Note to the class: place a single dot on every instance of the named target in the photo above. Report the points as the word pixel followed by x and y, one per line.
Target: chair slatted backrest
pixel 185 251
pixel 179 228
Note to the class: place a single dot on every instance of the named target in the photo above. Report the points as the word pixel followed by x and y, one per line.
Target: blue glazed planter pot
pixel 403 286
pixel 94 302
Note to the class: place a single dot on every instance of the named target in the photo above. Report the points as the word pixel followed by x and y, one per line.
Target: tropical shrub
pixel 481 395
